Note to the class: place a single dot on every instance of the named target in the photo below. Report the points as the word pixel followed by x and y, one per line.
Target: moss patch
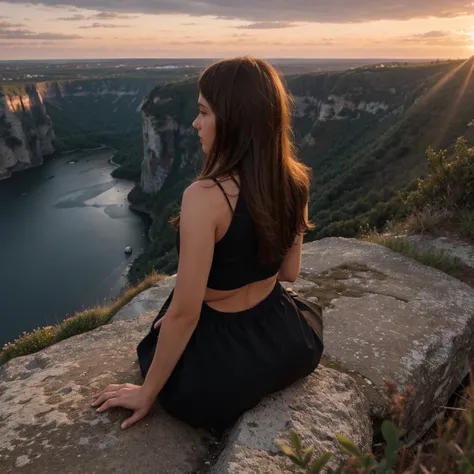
pixel 332 283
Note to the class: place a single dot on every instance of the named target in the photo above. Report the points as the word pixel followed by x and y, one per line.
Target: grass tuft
pixel 92 318
pixel 432 257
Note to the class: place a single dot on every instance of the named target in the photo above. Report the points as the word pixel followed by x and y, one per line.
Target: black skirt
pixel 233 360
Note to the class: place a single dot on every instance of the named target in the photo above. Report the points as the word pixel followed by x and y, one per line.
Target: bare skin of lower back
pixel 240 299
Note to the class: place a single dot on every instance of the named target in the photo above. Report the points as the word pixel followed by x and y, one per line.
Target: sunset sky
pixel 218 28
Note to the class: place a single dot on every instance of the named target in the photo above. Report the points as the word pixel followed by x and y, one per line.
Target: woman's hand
pixel 126 395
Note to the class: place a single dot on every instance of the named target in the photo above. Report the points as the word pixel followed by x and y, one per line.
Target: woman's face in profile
pixel 205 124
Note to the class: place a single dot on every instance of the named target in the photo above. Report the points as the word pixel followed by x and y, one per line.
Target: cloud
pixel 76 17
pixel 28 35
pixel 242 35
pixel 112 15
pixel 104 25
pixel 97 16
pixel 8 24
pixel 433 34
pixel 15 31
pixel 267 25
pixel 440 38
pixel 337 11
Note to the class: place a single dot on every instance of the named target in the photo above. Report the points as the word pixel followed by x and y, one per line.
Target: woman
pixel 229 334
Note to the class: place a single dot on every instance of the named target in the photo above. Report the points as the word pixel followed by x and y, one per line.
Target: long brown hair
pixel 253 139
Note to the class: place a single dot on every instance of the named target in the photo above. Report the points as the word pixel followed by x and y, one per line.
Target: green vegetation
pixel 357 185
pixel 364 164
pixel 14 89
pixel 466 224
pixel 431 257
pixel 448 190
pixel 449 451
pixel 444 197
pixel 362 167
pixel 358 463
pixel 92 107
pixel 129 157
pixel 29 343
pixel 91 113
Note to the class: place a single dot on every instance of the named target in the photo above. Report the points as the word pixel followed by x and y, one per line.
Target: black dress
pixel 233 360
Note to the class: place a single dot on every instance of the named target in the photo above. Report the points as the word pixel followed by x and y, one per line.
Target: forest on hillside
pixel 363 160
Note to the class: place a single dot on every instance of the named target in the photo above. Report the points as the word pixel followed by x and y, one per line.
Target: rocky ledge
pixel 386 317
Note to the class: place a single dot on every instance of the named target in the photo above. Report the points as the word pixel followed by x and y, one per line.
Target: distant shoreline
pixel 112 162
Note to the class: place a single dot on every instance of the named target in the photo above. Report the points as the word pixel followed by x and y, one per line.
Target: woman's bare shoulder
pixel 201 189
pixel 207 189
pixel 203 192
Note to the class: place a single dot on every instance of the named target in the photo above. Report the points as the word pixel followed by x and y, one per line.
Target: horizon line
pixel 315 58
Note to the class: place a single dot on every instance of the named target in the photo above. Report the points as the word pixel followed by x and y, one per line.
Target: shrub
pixel 450 184
pixel 466 224
pixel 450 451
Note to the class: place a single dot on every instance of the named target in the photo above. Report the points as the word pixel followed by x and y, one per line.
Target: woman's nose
pixel 195 123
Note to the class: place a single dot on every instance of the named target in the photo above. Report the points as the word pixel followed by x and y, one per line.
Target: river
pixel 63 230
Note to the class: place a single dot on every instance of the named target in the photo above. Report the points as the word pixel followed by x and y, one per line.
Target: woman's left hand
pixel 125 395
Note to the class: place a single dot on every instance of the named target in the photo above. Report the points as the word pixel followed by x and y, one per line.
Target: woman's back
pixel 237 279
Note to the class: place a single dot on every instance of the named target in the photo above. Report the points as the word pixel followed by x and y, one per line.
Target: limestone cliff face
pixel 26 131
pixel 169 141
pixel 159 153
pixel 336 107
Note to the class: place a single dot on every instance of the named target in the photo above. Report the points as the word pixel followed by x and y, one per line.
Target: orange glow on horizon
pixel 33 31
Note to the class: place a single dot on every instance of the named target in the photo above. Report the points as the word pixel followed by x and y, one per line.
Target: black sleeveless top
pixel 235 262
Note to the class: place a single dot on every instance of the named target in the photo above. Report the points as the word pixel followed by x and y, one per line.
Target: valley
pixel 363 127
pixel 363 131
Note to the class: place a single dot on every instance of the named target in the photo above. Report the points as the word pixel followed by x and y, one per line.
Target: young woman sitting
pixel 230 334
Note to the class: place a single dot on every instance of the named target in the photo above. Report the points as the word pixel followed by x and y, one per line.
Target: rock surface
pixel 149 300
pixel 26 131
pixel 48 426
pixel 389 317
pixel 158 153
pixel 386 317
pixel 324 404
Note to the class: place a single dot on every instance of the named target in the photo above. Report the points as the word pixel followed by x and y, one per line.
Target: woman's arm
pixel 290 267
pixel 197 236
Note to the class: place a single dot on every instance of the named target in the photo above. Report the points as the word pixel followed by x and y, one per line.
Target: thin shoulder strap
pixel 235 181
pixel 226 197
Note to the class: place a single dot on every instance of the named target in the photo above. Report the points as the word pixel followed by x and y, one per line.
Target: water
pixel 62 240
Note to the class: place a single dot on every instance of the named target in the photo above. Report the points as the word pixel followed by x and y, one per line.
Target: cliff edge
pixel 386 317
pixel 26 131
